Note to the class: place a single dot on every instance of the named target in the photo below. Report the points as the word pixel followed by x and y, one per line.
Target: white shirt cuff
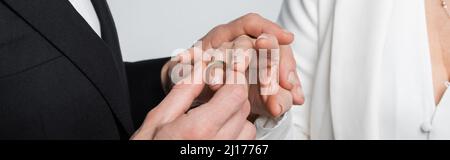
pixel 268 128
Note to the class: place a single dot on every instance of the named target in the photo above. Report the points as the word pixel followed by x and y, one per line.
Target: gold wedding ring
pixel 215 64
pixel 210 69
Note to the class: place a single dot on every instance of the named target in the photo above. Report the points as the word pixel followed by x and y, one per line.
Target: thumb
pixel 179 99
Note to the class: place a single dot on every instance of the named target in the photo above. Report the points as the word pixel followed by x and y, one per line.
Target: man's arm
pixel 223 117
pixel 144 86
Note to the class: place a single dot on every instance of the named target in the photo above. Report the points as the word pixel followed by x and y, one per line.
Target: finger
pixel 279 103
pixel 180 98
pixel 217 75
pixel 224 104
pixel 248 132
pixel 287 68
pixel 234 126
pixel 191 56
pixel 268 57
pixel 297 90
pixel 267 41
pixel 217 72
pixel 250 24
pixel 289 78
pixel 242 53
pixel 268 82
pixel 267 45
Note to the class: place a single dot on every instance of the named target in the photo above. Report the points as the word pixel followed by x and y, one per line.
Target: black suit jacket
pixel 59 80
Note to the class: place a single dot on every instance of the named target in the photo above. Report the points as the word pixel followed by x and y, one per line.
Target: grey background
pixel 155 28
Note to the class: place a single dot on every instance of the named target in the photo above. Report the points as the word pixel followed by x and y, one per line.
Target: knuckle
pixel 252 19
pixel 252 15
pixel 251 23
pixel 201 132
pixel 219 35
pixel 198 131
pixel 219 28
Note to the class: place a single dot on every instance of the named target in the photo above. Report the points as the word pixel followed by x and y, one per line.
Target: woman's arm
pixel 301 18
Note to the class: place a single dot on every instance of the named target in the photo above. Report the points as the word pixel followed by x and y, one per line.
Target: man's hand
pixel 223 117
pixel 252 25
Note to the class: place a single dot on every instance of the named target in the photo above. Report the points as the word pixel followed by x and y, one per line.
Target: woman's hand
pixel 270 36
pixel 259 60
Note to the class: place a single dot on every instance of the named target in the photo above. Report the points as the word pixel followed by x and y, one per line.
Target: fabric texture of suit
pixel 60 80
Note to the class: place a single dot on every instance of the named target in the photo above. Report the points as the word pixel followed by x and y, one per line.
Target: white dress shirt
pixel 366 71
pixel 87 11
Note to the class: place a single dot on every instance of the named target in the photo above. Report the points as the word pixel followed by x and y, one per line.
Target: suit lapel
pixel 64 28
pixel 110 37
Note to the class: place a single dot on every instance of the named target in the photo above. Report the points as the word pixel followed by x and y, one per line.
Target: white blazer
pixel 366 72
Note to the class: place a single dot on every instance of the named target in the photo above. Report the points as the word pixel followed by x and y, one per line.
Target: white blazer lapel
pixel 375 60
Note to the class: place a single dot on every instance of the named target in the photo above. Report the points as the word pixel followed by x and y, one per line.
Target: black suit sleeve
pixel 145 87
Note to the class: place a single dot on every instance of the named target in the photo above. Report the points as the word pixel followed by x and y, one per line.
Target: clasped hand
pixel 240 78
